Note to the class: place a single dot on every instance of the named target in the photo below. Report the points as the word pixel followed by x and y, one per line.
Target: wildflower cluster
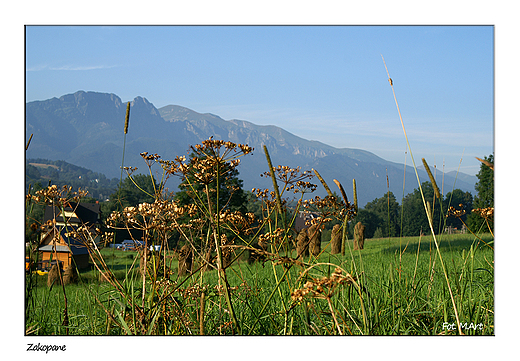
pixel 324 287
pixel 293 179
pixel 211 145
pixel 160 215
pixel 237 221
pixel 486 213
pixel 211 158
pixel 273 237
pixel 328 208
pixel 194 291
pixel 150 159
pixel 52 195
pixel 268 198
pixel 81 232
pixel 453 212
pixel 130 170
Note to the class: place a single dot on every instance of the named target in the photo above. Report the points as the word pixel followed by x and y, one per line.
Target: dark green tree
pixel 387 210
pixel 139 188
pixel 415 219
pixel 370 220
pixel 485 197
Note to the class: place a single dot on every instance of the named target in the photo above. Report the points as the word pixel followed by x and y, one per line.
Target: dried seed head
pixel 127 117
pixel 430 175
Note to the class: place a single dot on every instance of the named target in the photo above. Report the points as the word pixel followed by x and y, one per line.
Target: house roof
pixel 87 213
pixel 50 248
pixel 74 245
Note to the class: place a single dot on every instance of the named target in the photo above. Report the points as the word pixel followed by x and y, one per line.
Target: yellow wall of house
pixel 61 256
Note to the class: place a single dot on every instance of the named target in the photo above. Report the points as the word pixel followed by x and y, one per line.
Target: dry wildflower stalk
pixel 324 288
pixel 424 201
pixel 486 213
pixel 293 179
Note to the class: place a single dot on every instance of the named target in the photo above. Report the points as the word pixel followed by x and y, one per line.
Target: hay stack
pixel 53 276
pixel 185 260
pixel 302 244
pixel 315 240
pixel 359 236
pixel 70 275
pixel 335 241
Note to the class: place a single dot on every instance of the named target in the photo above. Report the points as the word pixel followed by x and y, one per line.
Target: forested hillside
pixel 42 171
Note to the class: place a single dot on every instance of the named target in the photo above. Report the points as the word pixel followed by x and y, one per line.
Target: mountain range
pixel 86 129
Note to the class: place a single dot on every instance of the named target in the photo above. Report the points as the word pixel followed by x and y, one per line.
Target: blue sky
pixel 325 83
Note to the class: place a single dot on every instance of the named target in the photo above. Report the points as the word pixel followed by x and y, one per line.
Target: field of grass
pixel 402 291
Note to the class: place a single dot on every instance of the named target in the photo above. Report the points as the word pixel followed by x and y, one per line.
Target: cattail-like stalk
pixel 430 175
pixel 29 142
pixel 275 185
pixel 429 209
pixel 127 117
pixel 343 194
pixel 355 195
pixel 322 182
pixel 489 164
pixel 201 315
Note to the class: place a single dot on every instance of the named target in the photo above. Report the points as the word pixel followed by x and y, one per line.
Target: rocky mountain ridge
pixel 86 129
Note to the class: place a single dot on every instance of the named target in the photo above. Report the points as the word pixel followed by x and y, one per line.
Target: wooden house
pixel 69 235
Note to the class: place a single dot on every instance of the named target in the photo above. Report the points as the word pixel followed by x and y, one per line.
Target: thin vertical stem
pixel 430 220
pixel 275 185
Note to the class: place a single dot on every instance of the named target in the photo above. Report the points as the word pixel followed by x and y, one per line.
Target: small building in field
pixel 131 245
pixel 69 235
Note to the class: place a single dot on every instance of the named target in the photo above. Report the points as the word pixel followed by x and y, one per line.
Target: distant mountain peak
pixel 86 129
pixel 177 113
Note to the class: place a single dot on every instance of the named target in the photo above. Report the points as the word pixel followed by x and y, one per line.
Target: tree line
pixel 382 217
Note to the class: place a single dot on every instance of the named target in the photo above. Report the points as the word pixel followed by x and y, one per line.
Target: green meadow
pixel 402 291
